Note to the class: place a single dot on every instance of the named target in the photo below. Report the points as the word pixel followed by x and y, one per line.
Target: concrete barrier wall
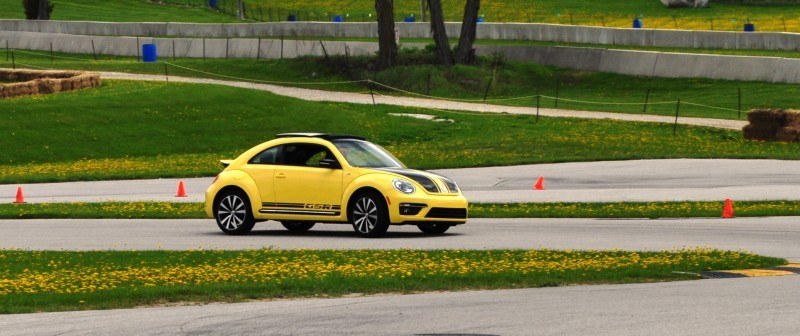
pixel 184 47
pixel 629 62
pixel 513 31
pixel 657 64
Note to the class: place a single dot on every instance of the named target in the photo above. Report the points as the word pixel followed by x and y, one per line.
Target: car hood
pixel 433 183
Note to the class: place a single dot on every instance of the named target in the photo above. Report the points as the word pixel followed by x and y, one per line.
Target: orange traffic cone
pixel 181 190
pixel 20 197
pixel 727 211
pixel 539 184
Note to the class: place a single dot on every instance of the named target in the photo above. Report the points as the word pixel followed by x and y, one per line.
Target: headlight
pixel 403 186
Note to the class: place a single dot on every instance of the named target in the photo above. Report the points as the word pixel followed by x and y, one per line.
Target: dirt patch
pixel 17 83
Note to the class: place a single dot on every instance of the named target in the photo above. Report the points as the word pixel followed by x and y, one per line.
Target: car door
pixel 302 186
pixel 261 168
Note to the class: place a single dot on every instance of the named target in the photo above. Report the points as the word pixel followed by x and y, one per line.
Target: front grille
pixel 458 213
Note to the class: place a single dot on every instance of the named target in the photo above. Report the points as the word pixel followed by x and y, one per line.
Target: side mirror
pixel 329 163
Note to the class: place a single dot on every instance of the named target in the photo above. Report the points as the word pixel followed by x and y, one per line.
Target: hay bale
pixel 84 82
pixel 49 85
pixel 772 118
pixel 66 85
pixel 41 86
pixel 792 118
pixel 788 134
pixel 55 85
pixel 752 132
pixel 36 82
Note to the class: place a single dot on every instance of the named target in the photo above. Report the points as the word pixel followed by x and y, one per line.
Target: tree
pixel 465 54
pixel 32 11
pixel 444 55
pixel 387 46
pixel 43 13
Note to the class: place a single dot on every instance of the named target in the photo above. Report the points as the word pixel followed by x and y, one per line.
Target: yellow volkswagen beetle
pixel 301 179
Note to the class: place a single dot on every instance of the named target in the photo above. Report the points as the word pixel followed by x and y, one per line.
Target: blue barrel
pixel 480 20
pixel 637 23
pixel 410 19
pixel 213 3
pixel 338 18
pixel 149 53
pixel 292 18
pixel 749 27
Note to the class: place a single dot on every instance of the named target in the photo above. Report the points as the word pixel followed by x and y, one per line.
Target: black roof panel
pixel 326 136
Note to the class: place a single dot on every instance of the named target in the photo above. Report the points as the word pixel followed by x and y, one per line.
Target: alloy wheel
pixel 365 215
pixel 232 212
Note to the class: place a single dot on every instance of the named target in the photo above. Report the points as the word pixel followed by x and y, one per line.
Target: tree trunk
pixel 44 13
pixel 443 53
pixel 387 47
pixel 240 9
pixel 464 52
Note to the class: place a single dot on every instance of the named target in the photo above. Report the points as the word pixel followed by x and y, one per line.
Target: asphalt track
pixel 775 236
pixel 750 306
pixel 609 181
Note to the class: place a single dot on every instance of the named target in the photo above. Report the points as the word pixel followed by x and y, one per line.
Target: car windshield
pixel 366 154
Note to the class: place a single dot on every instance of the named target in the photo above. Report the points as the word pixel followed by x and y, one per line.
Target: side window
pixel 313 161
pixel 307 155
pixel 269 156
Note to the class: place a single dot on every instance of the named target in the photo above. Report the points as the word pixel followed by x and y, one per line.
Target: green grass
pixel 605 91
pixel 149 210
pixel 121 11
pixel 725 16
pixel 146 129
pixel 169 210
pixel 685 209
pixel 38 281
pixel 721 16
pixel 153 129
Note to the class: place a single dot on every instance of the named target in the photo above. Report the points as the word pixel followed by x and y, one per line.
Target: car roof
pixel 325 136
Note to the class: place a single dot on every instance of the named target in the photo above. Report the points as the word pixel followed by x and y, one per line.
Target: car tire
pixel 297 226
pixel 433 228
pixel 233 214
pixel 369 215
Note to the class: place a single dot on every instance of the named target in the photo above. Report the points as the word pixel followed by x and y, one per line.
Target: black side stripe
pixel 310 209
pixel 301 212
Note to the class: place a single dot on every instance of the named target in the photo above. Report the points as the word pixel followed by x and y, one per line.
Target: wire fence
pixel 39 60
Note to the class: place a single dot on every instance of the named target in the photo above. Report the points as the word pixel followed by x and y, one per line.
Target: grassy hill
pixel 725 16
pixel 576 89
pixel 145 129
pixel 728 15
pixel 122 11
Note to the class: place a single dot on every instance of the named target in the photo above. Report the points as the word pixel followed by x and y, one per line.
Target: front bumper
pixel 449 209
pixel 209 200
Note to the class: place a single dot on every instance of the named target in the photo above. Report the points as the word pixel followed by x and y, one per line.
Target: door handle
pixel 280 175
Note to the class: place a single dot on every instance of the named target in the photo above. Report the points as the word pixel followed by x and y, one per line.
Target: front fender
pixel 380 182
